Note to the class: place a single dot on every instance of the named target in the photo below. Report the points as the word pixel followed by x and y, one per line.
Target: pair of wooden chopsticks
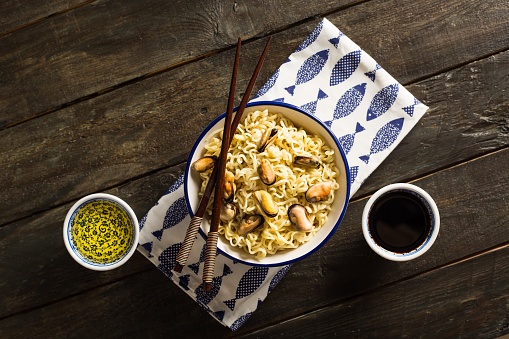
pixel 217 177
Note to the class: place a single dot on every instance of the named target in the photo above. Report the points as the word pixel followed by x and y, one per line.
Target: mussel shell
pixel 203 164
pixel 266 204
pixel 266 173
pixel 228 211
pixel 299 217
pixel 229 186
pixel 267 138
pixel 249 224
pixel 308 161
pixel 319 192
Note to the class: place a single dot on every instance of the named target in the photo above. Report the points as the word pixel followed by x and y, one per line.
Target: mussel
pixel 319 192
pixel 308 161
pixel 266 204
pixel 267 138
pixel 203 164
pixel 266 173
pixel 249 224
pixel 299 217
pixel 228 211
pixel 229 186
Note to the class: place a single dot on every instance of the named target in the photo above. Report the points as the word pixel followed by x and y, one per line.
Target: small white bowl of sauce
pixel 101 232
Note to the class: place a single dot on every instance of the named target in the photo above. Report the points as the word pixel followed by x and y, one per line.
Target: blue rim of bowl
pixel 347 169
pixel 69 232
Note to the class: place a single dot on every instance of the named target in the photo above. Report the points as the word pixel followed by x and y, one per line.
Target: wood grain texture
pixel 108 42
pixel 35 266
pixel 458 123
pixel 16 14
pixel 342 270
pixel 94 47
pixel 469 299
pixel 153 124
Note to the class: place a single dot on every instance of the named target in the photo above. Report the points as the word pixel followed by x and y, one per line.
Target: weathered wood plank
pixel 343 268
pixel 152 124
pixel 35 266
pixel 97 46
pixel 346 266
pixel 468 299
pixel 16 14
pixel 456 114
pixel 94 47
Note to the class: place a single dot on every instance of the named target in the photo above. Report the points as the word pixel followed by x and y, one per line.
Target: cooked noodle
pixel 292 181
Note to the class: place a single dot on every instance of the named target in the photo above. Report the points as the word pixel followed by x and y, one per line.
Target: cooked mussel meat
pixel 266 204
pixel 299 217
pixel 229 186
pixel 267 138
pixel 319 192
pixel 266 173
pixel 249 224
pixel 203 164
pixel 308 161
pixel 228 211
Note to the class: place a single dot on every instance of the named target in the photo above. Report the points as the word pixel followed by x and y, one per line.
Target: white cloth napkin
pixel 367 109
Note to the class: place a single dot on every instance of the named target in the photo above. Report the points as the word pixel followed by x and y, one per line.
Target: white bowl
pixel 312 125
pixel 68 229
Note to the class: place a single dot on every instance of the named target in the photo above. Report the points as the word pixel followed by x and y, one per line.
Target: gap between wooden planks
pixel 154 109
pixel 86 74
pixel 273 310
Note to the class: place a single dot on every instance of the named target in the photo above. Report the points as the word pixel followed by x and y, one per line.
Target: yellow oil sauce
pixel 102 232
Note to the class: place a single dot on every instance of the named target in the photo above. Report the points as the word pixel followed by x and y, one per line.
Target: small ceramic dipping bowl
pixel 101 232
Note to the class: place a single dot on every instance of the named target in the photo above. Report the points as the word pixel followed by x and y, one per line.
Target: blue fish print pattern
pixel 382 101
pixel 311 38
pixel 277 278
pixel 345 67
pixel 335 41
pixel 372 74
pixel 205 297
pixel 410 109
pixel 184 282
pixel 348 102
pixel 268 85
pixel 310 107
pixel 176 185
pixel 148 247
pixel 354 170
pixel 142 222
pixel 347 141
pixel 279 100
pixel 235 326
pixel 175 214
pixel 310 69
pixel 219 315
pixel 384 138
pixel 196 266
pixel 167 259
pixel 249 283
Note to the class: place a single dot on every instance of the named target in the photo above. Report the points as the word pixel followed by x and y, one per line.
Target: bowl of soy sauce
pixel 400 222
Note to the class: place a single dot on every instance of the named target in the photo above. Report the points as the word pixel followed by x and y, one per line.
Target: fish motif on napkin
pixel 332 78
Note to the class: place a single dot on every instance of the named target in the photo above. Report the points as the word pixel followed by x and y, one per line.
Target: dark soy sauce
pixel 399 222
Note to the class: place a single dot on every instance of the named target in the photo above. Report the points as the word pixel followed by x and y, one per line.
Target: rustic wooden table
pixel 110 95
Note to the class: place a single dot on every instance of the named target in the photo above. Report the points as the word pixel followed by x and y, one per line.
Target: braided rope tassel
pixel 188 242
pixel 210 259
